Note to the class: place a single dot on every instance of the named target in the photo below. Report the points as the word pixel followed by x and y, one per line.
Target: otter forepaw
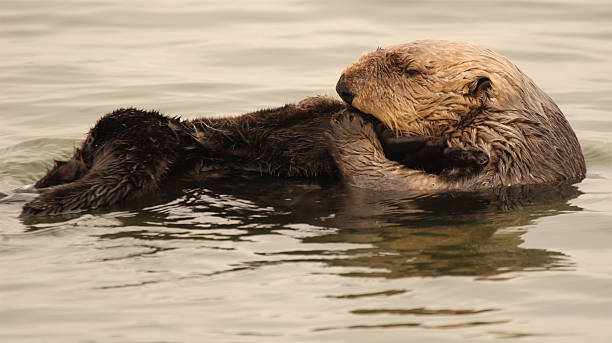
pixel 349 127
pixel 356 149
pixel 467 158
pixel 317 100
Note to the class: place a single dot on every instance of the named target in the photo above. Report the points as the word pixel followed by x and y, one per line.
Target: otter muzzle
pixel 343 90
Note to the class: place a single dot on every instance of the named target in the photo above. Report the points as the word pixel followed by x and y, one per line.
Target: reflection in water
pixel 235 226
pixel 454 234
pixel 365 234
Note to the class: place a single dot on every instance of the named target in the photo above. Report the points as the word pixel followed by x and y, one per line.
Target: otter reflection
pixel 459 234
pixel 388 235
pixel 470 234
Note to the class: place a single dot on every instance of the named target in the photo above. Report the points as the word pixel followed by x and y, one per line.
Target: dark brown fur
pixel 129 153
pixel 63 172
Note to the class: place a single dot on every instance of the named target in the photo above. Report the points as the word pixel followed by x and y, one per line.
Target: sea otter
pixel 468 102
pixel 130 153
pixel 473 98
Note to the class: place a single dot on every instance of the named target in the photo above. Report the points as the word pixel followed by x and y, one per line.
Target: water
pixel 250 259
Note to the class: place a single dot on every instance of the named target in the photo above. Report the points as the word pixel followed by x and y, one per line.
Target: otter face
pixel 424 87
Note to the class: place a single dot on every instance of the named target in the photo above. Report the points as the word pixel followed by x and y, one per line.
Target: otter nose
pixel 343 90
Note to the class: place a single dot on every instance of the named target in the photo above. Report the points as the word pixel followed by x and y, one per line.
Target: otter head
pixel 474 98
pixel 426 87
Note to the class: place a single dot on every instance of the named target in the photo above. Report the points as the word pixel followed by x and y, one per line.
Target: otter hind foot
pixel 115 177
pixel 61 173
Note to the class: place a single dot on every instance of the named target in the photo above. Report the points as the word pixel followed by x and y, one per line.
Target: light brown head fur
pixel 474 97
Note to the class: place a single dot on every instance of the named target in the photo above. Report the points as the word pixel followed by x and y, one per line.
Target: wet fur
pixel 129 153
pixel 470 96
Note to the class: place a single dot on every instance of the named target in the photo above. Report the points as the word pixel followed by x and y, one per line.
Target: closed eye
pixel 411 72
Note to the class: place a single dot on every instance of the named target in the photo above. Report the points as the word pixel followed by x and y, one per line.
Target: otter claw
pixel 477 157
pixel 482 158
pixel 348 123
pixel 351 135
pixel 468 158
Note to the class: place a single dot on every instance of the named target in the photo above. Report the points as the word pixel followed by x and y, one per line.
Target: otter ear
pixel 480 87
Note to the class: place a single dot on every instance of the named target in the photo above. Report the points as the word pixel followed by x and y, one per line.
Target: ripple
pixel 420 311
pixel 459 325
pixel 597 153
pixel 365 295
pixel 25 162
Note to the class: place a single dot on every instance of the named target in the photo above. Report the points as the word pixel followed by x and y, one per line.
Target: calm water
pixel 249 259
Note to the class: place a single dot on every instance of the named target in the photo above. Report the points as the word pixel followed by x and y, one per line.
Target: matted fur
pixel 473 97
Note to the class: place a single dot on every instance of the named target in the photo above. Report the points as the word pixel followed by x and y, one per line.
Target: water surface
pixel 251 259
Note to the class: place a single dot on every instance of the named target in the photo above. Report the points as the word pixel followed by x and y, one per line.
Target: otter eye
pixel 411 72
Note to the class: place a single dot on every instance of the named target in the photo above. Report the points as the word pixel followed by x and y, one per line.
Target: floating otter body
pixel 473 98
pixel 129 153
pixel 454 106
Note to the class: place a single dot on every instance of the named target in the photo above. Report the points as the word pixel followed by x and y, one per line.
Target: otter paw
pixel 349 126
pixel 468 158
pixel 355 147
pixel 481 158
pixel 34 208
pixel 317 100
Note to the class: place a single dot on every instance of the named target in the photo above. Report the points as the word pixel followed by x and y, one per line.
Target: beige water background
pixel 263 260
